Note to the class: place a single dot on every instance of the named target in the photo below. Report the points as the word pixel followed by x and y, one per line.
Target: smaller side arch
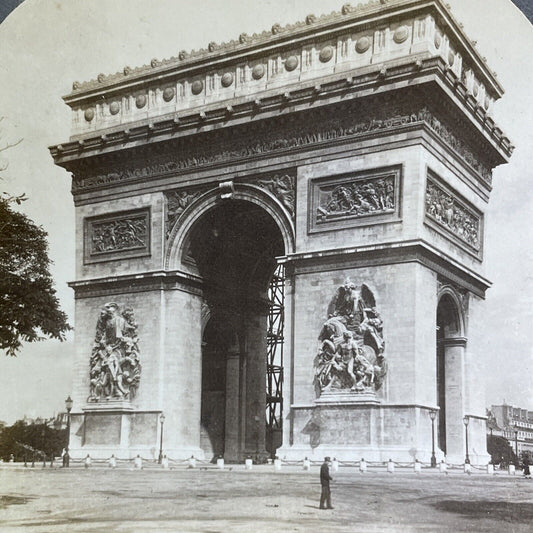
pixel 450 312
pixel 245 192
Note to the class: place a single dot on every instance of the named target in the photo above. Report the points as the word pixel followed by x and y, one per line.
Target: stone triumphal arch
pixel 280 243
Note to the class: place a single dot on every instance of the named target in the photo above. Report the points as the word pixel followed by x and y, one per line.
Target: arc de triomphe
pixel 280 243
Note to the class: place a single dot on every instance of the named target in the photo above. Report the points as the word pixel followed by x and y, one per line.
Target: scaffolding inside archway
pixel 274 374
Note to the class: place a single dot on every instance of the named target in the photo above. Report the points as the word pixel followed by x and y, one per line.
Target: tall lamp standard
pixel 516 444
pixel 162 421
pixel 68 405
pixel 433 415
pixel 466 420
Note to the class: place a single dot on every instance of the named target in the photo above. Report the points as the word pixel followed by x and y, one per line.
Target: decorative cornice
pixel 372 11
pixel 416 250
pixel 355 120
pixel 139 282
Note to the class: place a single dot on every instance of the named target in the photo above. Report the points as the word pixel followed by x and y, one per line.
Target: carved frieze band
pixel 445 209
pixel 282 186
pixel 117 235
pixel 371 196
pixel 270 140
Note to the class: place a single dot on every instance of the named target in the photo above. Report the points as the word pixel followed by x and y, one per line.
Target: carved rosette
pixel 115 368
pixel 446 210
pixel 351 353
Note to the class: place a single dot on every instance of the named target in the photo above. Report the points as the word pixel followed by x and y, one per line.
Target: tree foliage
pixel 29 307
pixel 500 450
pixel 31 441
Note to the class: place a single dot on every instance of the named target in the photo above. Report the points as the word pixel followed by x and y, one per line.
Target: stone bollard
pixel 362 466
pixel 443 468
pixel 418 467
pixel 138 463
pixel 306 464
pixel 248 463
pixel 335 465
pixel 468 468
pixel 277 463
pixel 490 469
pixel 512 470
pixel 164 462
pixel 220 463
pixel 192 462
pixel 390 467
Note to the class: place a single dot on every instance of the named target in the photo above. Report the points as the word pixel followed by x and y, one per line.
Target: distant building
pixel 513 423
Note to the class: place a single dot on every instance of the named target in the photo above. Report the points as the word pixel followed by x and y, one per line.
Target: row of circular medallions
pixel 258 71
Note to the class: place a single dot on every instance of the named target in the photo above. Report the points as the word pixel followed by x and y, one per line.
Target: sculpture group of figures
pixel 115 368
pixel 351 343
pixel 120 234
pixel 444 209
pixel 358 198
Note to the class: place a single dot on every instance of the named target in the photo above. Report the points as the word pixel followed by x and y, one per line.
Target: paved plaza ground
pixel 261 500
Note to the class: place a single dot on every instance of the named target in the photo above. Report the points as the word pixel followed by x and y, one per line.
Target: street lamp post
pixel 68 405
pixel 162 421
pixel 42 446
pixel 433 415
pixel 516 445
pixel 466 420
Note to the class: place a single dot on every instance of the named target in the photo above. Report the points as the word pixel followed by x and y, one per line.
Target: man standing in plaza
pixel 325 478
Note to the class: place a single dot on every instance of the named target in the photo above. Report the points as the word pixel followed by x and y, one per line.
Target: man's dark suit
pixel 325 478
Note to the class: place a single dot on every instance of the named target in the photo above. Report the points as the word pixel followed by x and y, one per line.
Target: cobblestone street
pixel 261 500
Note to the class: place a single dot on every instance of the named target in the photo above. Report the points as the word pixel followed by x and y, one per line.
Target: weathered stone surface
pixel 364 155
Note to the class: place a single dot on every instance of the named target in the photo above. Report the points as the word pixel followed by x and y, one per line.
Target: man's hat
pixel 326 459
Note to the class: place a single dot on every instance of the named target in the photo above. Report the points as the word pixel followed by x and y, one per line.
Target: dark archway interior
pixel 447 327
pixel 234 246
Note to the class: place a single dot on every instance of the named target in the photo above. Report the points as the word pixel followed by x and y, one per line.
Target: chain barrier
pixel 306 464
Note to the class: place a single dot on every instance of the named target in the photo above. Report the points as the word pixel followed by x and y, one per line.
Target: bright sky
pixel 47 44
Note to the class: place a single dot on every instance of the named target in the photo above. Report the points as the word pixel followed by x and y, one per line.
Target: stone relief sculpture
pixel 283 188
pixel 351 350
pixel 120 234
pixel 448 212
pixel 177 202
pixel 115 368
pixel 362 197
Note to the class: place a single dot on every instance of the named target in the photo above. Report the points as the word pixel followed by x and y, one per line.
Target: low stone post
pixel 335 465
pixel 468 468
pixel 390 467
pixel 418 467
pixel 306 464
pixel 192 462
pixel 443 467
pixel 220 463
pixel 362 466
pixel 248 463
pixel 490 469
pixel 512 470
pixel 277 463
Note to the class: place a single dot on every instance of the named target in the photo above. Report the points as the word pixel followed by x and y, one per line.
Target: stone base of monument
pixel 348 397
pixel 351 426
pixel 108 405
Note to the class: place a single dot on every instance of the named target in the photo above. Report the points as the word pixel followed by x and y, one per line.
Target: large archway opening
pixel 450 370
pixel 234 246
